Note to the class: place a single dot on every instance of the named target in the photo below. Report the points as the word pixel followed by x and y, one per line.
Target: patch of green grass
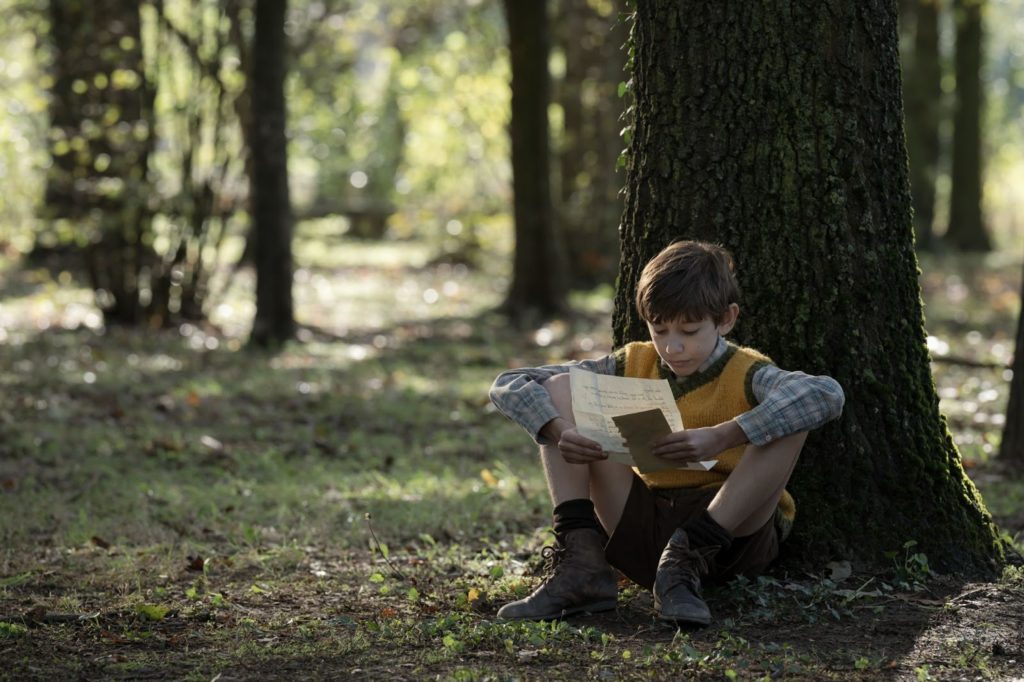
pixel 354 503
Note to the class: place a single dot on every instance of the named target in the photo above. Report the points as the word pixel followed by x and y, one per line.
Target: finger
pixel 666 449
pixel 582 441
pixel 577 458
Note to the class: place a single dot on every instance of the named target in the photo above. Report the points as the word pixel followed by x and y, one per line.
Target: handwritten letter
pixel 599 399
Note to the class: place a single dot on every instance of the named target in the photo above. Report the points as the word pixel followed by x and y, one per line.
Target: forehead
pixel 682 320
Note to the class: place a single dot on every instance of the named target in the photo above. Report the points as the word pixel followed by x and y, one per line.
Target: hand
pixel 574 448
pixel 695 445
pixel 577 449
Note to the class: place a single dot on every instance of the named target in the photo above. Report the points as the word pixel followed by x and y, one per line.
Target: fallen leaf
pixel 841 570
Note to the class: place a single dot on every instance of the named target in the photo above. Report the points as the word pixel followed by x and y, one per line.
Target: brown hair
pixel 689 280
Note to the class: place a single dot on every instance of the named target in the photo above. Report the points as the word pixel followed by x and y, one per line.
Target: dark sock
pixel 575 515
pixel 704 531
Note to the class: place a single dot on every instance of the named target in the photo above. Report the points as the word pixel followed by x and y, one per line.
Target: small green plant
pixel 911 569
pixel 12 630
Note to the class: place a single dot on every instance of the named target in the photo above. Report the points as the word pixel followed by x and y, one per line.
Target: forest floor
pixel 172 507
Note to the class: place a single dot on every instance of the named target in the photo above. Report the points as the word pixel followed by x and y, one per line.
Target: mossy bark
pixel 777 130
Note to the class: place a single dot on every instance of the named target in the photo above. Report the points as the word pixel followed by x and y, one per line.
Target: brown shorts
pixel 651 516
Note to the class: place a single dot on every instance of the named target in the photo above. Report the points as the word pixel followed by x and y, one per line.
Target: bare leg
pixel 747 499
pixel 582 580
pixel 606 483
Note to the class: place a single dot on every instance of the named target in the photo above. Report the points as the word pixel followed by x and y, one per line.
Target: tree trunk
pixel 967 230
pixel 922 90
pixel 1011 449
pixel 271 207
pixel 777 131
pixel 538 277
pixel 101 133
pixel 591 39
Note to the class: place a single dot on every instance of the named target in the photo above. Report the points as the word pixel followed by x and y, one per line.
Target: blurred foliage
pixel 23 123
pixel 1004 122
pixel 403 105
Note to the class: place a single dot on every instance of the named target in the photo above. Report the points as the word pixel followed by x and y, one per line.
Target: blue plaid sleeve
pixel 519 395
pixel 788 403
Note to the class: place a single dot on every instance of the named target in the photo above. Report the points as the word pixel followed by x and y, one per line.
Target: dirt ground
pixel 325 618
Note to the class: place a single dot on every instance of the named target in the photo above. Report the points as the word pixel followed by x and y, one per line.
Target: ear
pixel 729 319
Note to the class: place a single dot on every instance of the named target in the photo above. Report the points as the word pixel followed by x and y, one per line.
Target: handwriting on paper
pixel 598 399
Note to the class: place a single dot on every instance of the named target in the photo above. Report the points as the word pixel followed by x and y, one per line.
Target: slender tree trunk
pixel 777 130
pixel 1011 449
pixel 538 276
pixel 967 230
pixel 591 39
pixel 922 88
pixel 271 206
pixel 571 22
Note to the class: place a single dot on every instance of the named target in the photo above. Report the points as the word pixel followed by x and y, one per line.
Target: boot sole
pixel 701 622
pixel 595 607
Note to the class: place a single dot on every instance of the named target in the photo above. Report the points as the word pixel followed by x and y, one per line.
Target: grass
pixel 171 507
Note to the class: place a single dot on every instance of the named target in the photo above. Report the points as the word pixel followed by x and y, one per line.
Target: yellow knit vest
pixel 714 396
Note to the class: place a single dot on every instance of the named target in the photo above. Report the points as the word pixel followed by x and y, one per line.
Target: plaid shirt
pixel 788 402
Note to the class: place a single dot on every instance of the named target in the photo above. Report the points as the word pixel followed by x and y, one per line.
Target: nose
pixel 673 345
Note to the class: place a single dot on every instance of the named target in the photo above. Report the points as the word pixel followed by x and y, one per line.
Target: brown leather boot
pixel 581 580
pixel 677 582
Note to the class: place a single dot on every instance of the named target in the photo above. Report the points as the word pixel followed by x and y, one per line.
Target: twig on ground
pixel 394 569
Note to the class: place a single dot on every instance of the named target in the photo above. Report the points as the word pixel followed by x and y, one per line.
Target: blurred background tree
pixel 590 56
pixel 923 108
pixel 269 201
pixel 101 135
pixel 538 264
pixel 967 230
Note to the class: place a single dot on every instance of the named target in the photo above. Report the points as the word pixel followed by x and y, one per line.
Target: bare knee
pixel 560 390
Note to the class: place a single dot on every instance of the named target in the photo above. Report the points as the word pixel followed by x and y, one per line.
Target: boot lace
pixel 552 556
pixel 688 565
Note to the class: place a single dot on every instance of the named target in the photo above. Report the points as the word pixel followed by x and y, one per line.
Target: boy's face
pixel 683 345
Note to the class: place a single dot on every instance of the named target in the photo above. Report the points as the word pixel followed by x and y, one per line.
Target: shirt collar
pixel 721 346
pixel 719 350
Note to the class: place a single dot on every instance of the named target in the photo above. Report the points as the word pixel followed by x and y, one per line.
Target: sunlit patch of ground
pixel 352 507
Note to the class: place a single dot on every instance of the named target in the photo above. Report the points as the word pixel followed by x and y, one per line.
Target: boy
pixel 669 529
